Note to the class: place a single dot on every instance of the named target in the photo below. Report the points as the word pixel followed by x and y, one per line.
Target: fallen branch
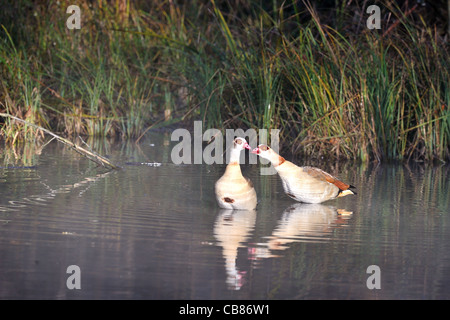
pixel 88 154
pixel 395 24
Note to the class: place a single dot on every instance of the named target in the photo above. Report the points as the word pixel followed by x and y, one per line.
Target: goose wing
pixel 324 176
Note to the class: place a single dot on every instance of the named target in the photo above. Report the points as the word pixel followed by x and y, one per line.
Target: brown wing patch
pixel 322 175
pixel 291 195
pixel 228 200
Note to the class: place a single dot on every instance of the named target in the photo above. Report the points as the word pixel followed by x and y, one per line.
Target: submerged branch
pixel 88 154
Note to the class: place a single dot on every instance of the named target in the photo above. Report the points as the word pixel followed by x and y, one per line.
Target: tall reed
pixel 333 87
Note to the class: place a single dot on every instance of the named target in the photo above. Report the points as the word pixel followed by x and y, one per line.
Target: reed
pixel 334 88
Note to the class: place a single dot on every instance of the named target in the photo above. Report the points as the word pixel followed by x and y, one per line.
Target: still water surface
pixel 154 231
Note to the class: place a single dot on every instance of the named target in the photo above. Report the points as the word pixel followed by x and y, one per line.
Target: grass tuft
pixel 334 88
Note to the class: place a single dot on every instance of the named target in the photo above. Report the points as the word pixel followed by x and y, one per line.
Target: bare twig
pixel 395 24
pixel 88 154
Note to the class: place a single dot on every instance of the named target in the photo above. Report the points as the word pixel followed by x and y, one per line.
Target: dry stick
pixel 395 24
pixel 88 154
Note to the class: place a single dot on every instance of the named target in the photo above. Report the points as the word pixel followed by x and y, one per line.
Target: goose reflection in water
pixel 301 222
pixel 231 230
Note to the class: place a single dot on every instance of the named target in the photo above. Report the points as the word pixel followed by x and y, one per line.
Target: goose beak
pixel 246 146
pixel 256 151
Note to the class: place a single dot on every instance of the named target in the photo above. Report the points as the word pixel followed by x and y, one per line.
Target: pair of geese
pixel 303 184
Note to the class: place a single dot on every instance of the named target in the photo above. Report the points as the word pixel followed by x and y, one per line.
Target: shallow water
pixel 153 231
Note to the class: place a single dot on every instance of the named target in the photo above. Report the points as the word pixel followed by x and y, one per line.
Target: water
pixel 154 231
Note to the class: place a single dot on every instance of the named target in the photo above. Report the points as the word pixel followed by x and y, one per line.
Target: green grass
pixel 334 88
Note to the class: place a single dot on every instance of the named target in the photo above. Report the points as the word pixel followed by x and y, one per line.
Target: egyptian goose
pixel 302 222
pixel 233 190
pixel 232 230
pixel 304 184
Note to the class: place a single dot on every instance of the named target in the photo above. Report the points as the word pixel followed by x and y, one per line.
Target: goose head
pixel 264 151
pixel 240 144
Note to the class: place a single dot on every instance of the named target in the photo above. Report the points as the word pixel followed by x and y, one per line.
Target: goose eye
pixel 264 148
pixel 238 141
